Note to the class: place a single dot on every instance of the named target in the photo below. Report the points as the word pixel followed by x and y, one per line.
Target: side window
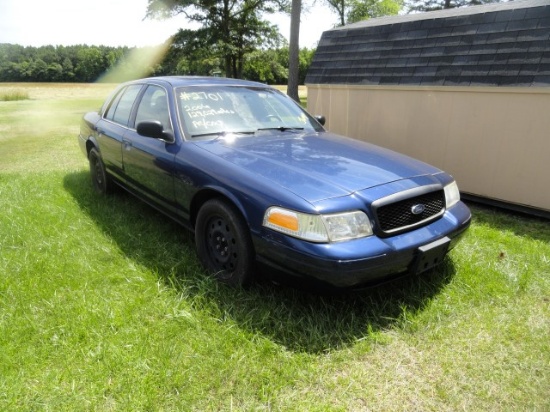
pixel 154 106
pixel 109 114
pixel 120 109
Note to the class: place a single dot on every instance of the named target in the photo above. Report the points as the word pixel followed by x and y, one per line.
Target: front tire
pixel 100 180
pixel 223 243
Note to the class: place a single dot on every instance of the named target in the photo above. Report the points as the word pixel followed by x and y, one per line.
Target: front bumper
pixel 364 261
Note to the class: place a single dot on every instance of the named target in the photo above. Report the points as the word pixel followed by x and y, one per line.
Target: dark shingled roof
pixel 505 44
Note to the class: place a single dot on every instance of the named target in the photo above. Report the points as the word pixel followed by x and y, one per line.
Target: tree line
pixel 234 40
pixel 85 63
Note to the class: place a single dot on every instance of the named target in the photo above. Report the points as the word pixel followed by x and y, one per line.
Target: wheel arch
pixel 91 144
pixel 208 193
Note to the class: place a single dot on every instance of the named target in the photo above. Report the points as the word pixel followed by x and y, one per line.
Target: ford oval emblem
pixel 418 209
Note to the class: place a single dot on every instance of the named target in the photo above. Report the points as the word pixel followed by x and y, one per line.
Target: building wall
pixel 494 141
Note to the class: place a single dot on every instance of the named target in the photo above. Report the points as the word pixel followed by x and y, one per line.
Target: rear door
pixel 113 126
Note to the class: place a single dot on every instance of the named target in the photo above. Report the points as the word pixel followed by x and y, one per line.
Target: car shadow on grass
pixel 300 319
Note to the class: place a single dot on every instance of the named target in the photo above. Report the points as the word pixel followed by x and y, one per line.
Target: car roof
pixel 177 81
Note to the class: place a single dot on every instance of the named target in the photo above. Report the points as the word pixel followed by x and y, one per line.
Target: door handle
pixel 127 144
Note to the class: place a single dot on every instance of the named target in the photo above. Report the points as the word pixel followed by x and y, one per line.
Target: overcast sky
pixel 115 23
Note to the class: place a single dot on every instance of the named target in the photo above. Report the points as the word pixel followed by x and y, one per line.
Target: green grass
pixel 10 96
pixel 104 307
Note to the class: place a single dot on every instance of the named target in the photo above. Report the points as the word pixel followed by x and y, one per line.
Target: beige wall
pixel 494 141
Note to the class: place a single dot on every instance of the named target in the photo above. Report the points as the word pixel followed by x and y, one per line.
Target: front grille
pixel 398 216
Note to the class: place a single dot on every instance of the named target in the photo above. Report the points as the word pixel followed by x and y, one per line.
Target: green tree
pixel 351 11
pixel 54 72
pixel 265 66
pixel 271 66
pixel 24 71
pixel 48 54
pixel 306 57
pixel 190 53
pixel 366 9
pixel 68 69
pixel 340 7
pixel 229 28
pixel 90 64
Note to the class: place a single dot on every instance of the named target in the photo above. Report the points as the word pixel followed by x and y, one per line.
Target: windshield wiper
pixel 281 128
pixel 222 133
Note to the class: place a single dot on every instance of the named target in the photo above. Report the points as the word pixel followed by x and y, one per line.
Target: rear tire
pixel 223 243
pixel 100 179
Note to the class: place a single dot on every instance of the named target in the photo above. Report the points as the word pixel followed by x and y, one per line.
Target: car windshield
pixel 214 111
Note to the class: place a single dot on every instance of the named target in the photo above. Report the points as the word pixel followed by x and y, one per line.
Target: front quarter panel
pixel 198 171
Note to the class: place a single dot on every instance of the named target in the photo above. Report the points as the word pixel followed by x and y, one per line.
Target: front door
pixel 149 162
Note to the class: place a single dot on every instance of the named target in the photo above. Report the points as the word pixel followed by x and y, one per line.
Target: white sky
pixel 116 23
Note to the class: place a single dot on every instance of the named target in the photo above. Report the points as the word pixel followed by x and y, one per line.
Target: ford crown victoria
pixel 265 188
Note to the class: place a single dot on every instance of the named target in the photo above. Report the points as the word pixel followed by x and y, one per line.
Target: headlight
pixel 452 195
pixel 318 228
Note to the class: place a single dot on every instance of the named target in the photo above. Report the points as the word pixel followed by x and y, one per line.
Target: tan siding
pixel 496 142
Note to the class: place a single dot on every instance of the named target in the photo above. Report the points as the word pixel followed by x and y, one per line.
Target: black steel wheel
pixel 100 180
pixel 223 243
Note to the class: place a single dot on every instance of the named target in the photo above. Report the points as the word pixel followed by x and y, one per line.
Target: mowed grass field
pixel 104 307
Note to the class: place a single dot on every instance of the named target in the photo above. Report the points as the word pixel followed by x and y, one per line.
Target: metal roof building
pixel 495 45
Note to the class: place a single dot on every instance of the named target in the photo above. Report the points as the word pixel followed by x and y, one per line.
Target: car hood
pixel 317 166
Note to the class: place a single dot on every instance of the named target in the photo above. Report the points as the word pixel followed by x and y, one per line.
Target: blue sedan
pixel 265 188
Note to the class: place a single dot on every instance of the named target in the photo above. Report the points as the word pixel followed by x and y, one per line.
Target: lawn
pixel 104 307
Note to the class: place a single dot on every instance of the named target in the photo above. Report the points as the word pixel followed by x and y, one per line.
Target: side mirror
pixel 321 120
pixel 154 129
